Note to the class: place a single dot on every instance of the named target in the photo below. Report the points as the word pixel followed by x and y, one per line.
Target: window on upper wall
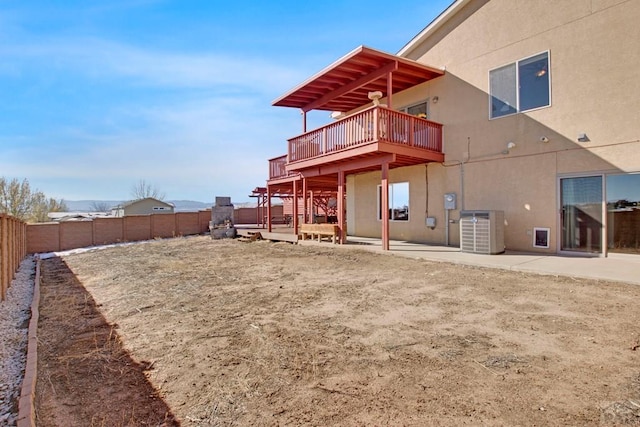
pixel 520 86
pixel 398 201
pixel 421 109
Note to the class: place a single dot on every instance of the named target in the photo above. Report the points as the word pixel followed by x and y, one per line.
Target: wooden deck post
pixel 312 214
pixel 263 210
pixel 258 213
pixel 389 90
pixel 384 205
pixel 305 202
pixel 295 207
pixel 340 207
pixel 268 209
pixel 304 121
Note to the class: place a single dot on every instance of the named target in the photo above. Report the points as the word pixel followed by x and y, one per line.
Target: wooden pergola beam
pixel 375 75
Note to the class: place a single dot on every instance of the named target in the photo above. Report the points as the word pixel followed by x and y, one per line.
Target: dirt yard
pixel 196 332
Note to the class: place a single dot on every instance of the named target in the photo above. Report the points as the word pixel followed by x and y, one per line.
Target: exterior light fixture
pixel 510 146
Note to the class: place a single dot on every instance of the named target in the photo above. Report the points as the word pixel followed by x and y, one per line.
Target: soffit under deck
pixel 345 84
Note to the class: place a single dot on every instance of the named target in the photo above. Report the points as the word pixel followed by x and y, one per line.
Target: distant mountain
pixel 189 205
pixel 88 205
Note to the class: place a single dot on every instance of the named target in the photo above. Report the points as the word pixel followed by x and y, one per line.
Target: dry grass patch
pixel 232 333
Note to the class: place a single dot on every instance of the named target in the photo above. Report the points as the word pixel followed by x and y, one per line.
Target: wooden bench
pixel 319 231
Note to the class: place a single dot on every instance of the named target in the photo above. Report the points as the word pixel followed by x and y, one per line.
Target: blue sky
pixel 99 95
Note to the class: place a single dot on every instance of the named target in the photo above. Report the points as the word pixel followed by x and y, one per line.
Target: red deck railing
pixel 375 124
pixel 277 167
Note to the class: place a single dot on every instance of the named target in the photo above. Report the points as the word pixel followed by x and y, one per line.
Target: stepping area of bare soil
pixel 201 332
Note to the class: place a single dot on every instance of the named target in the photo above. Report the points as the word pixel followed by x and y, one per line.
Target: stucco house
pixel 519 114
pixel 146 206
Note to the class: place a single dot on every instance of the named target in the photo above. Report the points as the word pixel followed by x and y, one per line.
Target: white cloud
pixel 202 125
pixel 197 147
pixel 102 59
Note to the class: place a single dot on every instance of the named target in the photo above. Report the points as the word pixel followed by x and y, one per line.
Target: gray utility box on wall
pixel 482 232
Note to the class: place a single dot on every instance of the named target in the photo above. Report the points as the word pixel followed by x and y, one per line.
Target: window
pixel 398 201
pixel 623 213
pixel 520 86
pixel 421 109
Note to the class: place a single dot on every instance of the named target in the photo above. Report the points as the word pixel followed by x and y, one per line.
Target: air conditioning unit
pixel 482 232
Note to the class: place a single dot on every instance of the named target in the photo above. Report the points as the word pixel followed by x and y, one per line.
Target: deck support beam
pixel 268 208
pixel 295 207
pixel 384 205
pixel 340 207
pixel 389 90
pixel 304 121
pixel 305 202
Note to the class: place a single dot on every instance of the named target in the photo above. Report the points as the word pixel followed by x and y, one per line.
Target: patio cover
pixel 345 84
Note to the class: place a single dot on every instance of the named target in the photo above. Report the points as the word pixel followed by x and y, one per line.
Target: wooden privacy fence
pixel 52 237
pixel 13 249
pixel 253 215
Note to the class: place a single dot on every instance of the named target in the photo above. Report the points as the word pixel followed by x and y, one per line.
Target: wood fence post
pixel 4 256
pixel 93 232
pixel 60 236
pixel 13 249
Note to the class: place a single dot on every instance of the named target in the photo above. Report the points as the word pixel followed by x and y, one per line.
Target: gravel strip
pixel 15 313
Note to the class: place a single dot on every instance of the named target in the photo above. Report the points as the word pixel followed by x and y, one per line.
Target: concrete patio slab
pixel 615 267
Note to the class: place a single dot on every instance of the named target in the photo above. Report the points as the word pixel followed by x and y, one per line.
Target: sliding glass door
pixel 581 201
pixel 623 213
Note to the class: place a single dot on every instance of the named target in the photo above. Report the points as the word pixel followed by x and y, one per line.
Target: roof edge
pixel 438 22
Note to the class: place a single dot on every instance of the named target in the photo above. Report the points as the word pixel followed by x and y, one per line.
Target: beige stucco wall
pixel 594 58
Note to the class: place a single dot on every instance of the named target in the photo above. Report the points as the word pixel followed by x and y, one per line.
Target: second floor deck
pixel 376 130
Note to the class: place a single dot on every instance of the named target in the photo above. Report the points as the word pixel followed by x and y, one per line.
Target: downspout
pixel 462 173
pixel 426 185
pixel 446 227
pixel 461 164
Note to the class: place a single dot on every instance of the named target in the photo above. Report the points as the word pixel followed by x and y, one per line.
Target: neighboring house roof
pixel 437 23
pixel 346 84
pixel 133 202
pixel 77 216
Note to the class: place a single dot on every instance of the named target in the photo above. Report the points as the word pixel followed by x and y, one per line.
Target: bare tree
pixel 41 206
pixel 100 206
pixel 142 190
pixel 17 199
